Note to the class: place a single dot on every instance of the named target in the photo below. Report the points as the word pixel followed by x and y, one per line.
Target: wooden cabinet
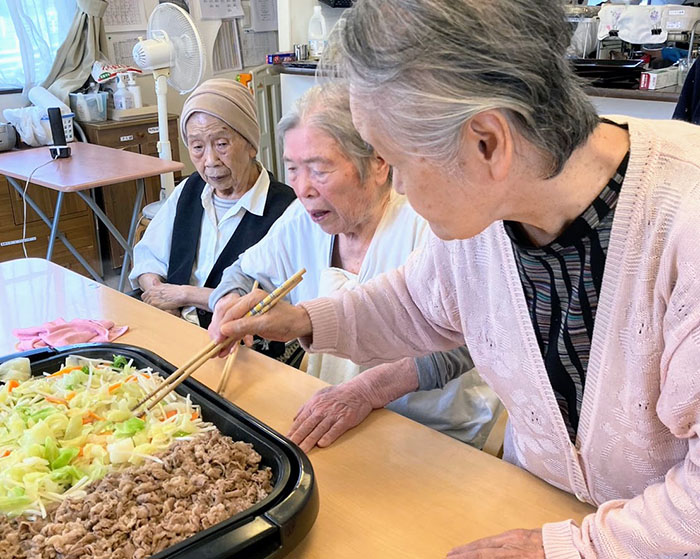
pixel 77 223
pixel 140 136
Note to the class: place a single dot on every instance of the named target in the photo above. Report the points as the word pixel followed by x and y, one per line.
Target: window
pixel 31 31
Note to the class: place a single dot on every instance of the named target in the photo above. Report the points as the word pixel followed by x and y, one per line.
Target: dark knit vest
pixel 188 225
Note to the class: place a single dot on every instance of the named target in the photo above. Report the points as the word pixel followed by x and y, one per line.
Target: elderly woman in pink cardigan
pixel 566 255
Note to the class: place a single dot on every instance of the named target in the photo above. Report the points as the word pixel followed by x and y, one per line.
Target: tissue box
pixel 658 79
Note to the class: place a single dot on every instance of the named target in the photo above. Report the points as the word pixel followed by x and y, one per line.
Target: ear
pixel 381 169
pixel 488 140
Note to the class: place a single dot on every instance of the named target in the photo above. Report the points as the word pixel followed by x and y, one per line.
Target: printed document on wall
pixel 125 15
pixel 120 47
pixel 263 15
pixel 220 9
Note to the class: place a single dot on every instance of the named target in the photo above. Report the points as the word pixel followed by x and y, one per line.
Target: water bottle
pixel 317 33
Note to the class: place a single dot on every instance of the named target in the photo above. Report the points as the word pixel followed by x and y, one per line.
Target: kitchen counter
pixel 667 94
pixel 389 489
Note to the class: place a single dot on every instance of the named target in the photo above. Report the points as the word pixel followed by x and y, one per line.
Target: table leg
pixel 128 253
pixel 125 243
pixel 61 236
pixel 54 225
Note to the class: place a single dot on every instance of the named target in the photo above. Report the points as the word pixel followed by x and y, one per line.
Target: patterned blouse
pixel 562 283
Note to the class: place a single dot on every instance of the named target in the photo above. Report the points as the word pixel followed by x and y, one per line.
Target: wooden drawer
pixel 78 225
pixel 46 200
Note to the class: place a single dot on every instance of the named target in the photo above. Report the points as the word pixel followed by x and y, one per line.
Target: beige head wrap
pixel 227 100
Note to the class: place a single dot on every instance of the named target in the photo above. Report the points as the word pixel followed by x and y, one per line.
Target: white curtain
pixel 31 32
pixel 85 43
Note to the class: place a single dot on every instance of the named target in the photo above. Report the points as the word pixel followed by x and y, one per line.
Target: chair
pixel 494 442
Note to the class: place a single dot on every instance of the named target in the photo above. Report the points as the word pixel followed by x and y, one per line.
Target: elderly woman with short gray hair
pixel 346 227
pixel 565 254
pixel 223 208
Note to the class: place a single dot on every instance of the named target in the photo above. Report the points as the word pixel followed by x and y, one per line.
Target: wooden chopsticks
pixel 212 349
pixel 231 359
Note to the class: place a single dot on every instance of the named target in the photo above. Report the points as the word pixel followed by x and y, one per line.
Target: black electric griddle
pixel 272 527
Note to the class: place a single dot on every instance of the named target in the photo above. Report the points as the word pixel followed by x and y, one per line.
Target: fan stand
pixel 167 181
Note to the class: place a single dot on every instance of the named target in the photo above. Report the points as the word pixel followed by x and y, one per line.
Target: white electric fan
pixel 173 51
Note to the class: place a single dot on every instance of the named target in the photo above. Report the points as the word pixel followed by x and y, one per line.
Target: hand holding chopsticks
pixel 213 348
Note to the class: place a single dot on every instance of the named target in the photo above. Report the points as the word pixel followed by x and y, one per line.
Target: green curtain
pixel 85 43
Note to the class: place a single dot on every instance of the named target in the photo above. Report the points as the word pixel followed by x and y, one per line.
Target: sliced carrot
pixel 65 371
pixel 80 452
pixel 170 413
pixel 106 433
pixel 56 400
pixel 114 387
pixel 70 395
pixel 6 453
pixel 129 379
pixel 12 385
pixel 91 417
pixel 195 415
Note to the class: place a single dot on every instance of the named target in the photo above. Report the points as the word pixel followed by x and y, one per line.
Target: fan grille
pixel 188 55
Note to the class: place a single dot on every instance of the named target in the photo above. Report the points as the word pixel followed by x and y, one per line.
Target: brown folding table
pixel 89 166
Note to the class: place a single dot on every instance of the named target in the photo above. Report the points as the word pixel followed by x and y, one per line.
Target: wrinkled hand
pixel 515 544
pixel 164 296
pixel 220 309
pixel 328 414
pixel 282 323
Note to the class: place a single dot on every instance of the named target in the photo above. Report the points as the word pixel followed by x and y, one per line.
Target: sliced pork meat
pixel 142 510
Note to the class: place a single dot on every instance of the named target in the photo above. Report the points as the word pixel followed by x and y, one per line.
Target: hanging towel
pixel 60 333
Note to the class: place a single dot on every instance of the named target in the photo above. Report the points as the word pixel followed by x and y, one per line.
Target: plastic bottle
pixel 135 90
pixel 317 33
pixel 123 99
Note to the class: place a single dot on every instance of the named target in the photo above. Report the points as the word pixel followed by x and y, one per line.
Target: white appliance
pixel 293 21
pixel 173 51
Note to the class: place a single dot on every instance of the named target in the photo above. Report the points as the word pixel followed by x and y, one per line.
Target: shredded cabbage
pixel 61 431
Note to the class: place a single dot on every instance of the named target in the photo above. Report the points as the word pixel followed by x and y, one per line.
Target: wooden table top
pixel 390 488
pixel 89 166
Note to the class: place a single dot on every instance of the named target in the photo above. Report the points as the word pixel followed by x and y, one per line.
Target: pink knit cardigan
pixel 637 455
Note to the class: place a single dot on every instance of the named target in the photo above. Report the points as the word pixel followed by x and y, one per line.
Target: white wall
pixel 293 18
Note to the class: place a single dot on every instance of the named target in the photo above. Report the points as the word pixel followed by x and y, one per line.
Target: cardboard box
pixel 658 79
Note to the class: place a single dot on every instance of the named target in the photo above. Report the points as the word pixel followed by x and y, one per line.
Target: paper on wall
pixel 256 46
pixel 125 15
pixel 263 14
pixel 220 9
pixel 120 47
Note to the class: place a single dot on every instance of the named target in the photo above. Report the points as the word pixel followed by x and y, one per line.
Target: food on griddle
pixel 142 510
pixel 81 476
pixel 61 431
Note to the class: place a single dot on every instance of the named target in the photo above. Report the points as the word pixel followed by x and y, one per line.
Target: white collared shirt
pixel 152 253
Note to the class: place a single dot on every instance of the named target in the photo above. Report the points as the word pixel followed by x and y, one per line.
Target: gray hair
pixel 327 107
pixel 427 66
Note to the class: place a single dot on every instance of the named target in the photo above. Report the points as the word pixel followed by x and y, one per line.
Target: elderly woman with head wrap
pixel 565 255
pixel 217 213
pixel 346 227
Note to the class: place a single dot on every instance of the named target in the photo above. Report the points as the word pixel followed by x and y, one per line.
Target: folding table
pixel 89 166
